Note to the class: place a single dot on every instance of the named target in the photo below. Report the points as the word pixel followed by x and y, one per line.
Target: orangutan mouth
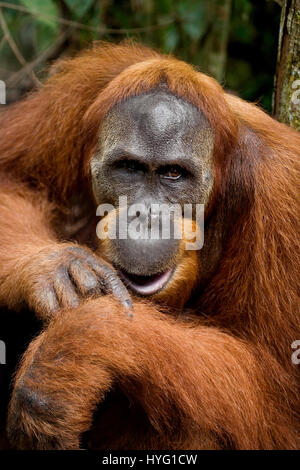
pixel 146 285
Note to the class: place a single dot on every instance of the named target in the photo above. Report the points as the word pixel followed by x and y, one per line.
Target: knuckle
pixel 77 251
pixel 61 272
pixel 72 249
pixel 44 299
pixel 82 276
pixel 90 282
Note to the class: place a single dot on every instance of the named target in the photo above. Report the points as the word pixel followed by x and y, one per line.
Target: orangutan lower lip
pixel 147 285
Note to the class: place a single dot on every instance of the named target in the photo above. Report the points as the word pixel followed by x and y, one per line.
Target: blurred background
pixel 235 41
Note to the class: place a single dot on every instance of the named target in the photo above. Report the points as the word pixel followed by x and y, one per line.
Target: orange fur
pixel 218 377
pixel 218 390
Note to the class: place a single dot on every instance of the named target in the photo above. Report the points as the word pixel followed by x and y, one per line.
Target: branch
pixel 3 41
pixel 43 57
pixel 16 50
pixel 77 25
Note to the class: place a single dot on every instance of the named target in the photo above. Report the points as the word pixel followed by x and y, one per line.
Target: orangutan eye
pixel 132 166
pixel 173 172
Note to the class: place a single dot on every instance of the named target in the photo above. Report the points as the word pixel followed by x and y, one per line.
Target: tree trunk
pixel 286 101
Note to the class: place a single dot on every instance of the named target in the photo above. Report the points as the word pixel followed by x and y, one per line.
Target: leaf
pixel 195 19
pixel 79 7
pixel 170 38
pixel 44 37
pixel 164 7
pixel 46 7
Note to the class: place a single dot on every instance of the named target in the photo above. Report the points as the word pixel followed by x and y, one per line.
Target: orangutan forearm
pixel 24 234
pixel 39 270
pixel 201 378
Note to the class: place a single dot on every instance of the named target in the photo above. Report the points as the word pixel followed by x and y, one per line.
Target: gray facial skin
pixel 154 129
pixel 142 139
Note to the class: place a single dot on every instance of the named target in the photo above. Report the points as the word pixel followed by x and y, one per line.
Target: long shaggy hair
pixel 222 375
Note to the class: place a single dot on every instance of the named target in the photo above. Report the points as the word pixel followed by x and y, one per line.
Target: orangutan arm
pixel 200 378
pixel 35 267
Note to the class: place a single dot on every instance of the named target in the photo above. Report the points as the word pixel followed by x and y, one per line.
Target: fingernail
pixel 128 303
pixel 129 306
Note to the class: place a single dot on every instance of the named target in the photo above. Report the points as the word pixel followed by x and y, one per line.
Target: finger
pixel 65 289
pixel 47 302
pixel 50 299
pixel 110 279
pixel 83 277
pixel 112 284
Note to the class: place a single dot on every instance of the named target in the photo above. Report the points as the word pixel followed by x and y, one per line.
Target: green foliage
pixel 252 50
pixel 45 12
pixel 186 29
pixel 78 7
pixel 195 18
